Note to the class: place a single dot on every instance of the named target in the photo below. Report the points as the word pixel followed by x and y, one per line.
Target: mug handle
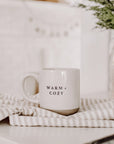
pixel 30 85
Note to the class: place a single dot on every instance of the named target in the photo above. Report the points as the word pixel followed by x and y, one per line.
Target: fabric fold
pixel 92 113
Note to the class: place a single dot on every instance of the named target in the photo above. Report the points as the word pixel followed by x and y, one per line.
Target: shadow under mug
pixel 55 89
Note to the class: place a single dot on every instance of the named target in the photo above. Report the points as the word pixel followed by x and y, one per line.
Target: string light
pixel 56 29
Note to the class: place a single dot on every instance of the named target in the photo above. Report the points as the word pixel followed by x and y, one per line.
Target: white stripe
pixel 94 111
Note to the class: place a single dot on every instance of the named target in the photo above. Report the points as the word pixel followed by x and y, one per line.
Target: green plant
pixel 104 11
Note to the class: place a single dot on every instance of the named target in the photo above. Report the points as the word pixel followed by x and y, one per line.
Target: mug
pixel 56 89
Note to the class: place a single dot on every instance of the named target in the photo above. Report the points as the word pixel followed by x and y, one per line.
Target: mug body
pixel 59 90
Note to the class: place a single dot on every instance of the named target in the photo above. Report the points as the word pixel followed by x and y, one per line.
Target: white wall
pixel 21 46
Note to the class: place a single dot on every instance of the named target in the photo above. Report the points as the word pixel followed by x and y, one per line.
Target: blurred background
pixel 38 34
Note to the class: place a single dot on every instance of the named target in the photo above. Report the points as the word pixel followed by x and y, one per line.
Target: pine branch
pixel 104 12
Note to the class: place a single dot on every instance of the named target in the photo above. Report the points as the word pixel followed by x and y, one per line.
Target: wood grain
pixel 49 0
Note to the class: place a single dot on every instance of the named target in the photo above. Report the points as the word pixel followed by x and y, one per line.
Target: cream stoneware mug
pixel 56 89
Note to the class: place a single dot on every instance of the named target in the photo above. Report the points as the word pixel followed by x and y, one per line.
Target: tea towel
pixel 92 113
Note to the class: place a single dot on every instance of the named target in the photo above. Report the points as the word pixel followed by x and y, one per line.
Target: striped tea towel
pixel 92 113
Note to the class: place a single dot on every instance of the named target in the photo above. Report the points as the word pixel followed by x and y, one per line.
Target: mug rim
pixel 60 69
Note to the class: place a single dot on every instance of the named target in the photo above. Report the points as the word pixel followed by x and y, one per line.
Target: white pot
pixel 111 64
pixel 94 54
